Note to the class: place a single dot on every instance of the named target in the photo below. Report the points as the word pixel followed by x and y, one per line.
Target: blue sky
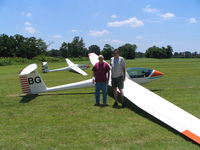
pixel 115 22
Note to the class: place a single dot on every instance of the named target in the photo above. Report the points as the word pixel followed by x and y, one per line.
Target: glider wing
pixel 163 110
pixel 75 67
pixel 79 70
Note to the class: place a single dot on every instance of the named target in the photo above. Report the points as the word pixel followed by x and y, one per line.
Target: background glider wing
pixel 69 62
pixel 75 67
pixel 93 58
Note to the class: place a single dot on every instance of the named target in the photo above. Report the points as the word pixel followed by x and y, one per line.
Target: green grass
pixel 65 120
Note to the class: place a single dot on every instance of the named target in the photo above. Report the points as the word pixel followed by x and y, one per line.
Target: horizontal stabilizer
pixel 28 69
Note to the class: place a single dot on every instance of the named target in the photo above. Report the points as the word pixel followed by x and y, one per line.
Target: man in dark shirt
pixel 101 73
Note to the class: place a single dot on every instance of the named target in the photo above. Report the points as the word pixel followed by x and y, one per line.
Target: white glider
pixel 71 67
pixel 170 114
pixel 158 107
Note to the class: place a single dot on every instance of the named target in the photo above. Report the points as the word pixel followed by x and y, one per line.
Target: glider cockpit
pixel 143 75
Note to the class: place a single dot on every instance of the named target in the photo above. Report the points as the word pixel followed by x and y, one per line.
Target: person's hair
pixel 116 51
pixel 101 56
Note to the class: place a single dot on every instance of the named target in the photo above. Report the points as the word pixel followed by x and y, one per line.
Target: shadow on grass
pixel 148 116
pixel 28 98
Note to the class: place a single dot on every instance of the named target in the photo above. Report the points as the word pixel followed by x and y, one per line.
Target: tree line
pixel 20 46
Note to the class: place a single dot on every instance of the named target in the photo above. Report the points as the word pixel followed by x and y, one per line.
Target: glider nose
pixel 157 74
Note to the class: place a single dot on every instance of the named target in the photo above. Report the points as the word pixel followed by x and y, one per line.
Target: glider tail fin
pixel 31 81
pixel 45 67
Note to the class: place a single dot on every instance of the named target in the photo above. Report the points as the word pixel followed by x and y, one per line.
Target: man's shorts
pixel 117 82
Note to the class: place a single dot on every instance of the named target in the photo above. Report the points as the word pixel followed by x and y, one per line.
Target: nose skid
pixel 156 74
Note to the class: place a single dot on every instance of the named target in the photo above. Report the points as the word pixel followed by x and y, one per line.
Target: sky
pixel 116 22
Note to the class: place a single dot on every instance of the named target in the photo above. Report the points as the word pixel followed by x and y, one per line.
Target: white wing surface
pixel 163 110
pixel 69 62
pixel 160 108
pixel 93 58
pixel 75 67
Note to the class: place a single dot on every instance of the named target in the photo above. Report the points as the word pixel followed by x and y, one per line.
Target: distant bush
pixel 42 58
pixel 4 61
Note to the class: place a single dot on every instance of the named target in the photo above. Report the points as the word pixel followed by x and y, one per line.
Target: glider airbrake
pixel 71 67
pixel 158 107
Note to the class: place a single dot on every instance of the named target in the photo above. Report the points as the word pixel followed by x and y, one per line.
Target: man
pixel 101 74
pixel 118 74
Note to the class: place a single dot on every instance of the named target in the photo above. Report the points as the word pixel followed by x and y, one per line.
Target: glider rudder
pixel 45 67
pixel 31 81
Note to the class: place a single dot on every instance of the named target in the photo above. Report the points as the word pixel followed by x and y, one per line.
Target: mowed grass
pixel 67 119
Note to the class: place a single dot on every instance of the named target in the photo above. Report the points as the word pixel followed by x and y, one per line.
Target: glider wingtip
pixel 192 136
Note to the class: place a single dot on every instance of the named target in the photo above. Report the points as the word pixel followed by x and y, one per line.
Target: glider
pixel 71 67
pixel 158 107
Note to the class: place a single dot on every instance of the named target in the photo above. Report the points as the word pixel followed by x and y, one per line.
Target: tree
pixel 107 51
pixel 128 51
pixel 74 49
pixel 156 52
pixel 94 49
pixel 19 46
pixel 54 53
pixel 64 50
pixel 169 51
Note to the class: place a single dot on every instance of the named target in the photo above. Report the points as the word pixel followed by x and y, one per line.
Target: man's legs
pixel 104 91
pixel 97 92
pixel 122 97
pixel 115 96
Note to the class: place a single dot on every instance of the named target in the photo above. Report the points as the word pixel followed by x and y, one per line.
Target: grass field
pixel 68 120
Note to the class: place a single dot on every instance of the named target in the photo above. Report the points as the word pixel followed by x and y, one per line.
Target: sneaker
pixel 115 104
pixel 123 105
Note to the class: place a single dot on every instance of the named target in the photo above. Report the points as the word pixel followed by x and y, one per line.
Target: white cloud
pixel 27 14
pixel 74 31
pixel 148 9
pixel 117 41
pixel 28 23
pixel 133 22
pixel 30 30
pixel 110 41
pixel 168 15
pixel 113 16
pixel 56 36
pixel 192 20
pixel 98 33
pixel 139 37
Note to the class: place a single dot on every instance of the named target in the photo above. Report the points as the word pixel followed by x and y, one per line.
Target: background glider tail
pixel 31 81
pixel 45 67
